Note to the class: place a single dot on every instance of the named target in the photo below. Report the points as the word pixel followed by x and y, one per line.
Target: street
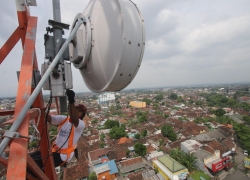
pixel 240 172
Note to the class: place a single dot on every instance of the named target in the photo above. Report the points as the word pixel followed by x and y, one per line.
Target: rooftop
pixel 170 163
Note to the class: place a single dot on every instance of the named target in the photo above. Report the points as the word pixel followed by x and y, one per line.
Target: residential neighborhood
pixel 162 133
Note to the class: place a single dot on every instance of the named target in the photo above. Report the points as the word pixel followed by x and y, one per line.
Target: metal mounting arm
pixel 38 88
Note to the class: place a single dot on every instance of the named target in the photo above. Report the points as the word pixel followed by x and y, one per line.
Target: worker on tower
pixel 69 131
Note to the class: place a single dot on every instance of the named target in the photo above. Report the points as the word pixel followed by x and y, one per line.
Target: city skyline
pixel 187 42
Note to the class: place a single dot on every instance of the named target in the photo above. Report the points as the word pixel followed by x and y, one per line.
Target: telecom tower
pixel 106 44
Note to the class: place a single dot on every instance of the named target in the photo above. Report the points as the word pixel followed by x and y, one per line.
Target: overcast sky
pixel 187 42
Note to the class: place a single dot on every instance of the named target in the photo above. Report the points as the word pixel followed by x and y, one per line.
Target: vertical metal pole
pixel 57 44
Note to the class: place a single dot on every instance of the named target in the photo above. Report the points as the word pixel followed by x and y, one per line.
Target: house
pixel 190 146
pixel 78 171
pixel 117 154
pixel 154 154
pixel 124 140
pixel 212 161
pixel 215 133
pixel 106 170
pixel 131 165
pixel 93 139
pixel 96 155
pixel 169 168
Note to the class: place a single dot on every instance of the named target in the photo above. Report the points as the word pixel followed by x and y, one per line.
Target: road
pixel 239 173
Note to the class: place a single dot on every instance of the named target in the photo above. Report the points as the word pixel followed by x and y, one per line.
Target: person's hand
pixel 71 96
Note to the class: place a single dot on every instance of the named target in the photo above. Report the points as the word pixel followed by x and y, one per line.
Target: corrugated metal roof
pixel 170 163
pixel 112 166
pixel 102 169
pixel 132 167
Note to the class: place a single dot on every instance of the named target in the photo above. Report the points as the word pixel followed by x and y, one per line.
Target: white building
pixel 106 97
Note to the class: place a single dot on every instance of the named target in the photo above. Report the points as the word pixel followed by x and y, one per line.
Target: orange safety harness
pixel 70 148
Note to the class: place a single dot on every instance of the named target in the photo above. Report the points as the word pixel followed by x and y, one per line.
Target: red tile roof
pixel 76 172
pixel 131 161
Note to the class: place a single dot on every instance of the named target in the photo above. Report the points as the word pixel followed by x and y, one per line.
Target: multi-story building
pixel 169 168
pixel 138 104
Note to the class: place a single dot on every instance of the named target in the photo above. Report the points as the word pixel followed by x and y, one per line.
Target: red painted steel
pixel 18 153
pixel 45 149
pixel 9 44
pixel 17 162
pixel 7 112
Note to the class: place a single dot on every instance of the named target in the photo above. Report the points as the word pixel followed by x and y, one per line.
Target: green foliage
pixel 140 149
pixel 167 131
pixel 141 116
pixel 190 101
pixel 92 176
pixel 161 142
pixel 173 96
pixel 53 130
pixel 117 132
pixel 118 107
pixel 94 121
pixel 123 126
pixel 187 160
pixel 220 100
pixel 166 116
pixel 245 106
pixel 243 134
pixel 219 112
pixel 109 124
pixel 102 144
pixel 197 174
pixel 179 99
pixel 159 97
pixel 148 101
pixel 158 112
pixel 199 103
pixel 102 136
pixel 127 152
pixel 156 170
pixel 144 132
pixel 33 144
pixel 137 136
pixel 246 119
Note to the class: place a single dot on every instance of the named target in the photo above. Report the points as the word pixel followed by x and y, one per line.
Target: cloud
pixel 187 41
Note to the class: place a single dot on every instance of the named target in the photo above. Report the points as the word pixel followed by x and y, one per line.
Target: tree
pixel 144 132
pixel 102 136
pixel 179 99
pixel 148 101
pixel 161 142
pixel 167 131
pixel 246 119
pixel 219 112
pixel 166 116
pixel 102 144
pixel 94 121
pixel 140 149
pixel 117 132
pixel 173 96
pixel 190 101
pixel 142 118
pixel 109 124
pixel 137 136
pixel 159 97
pixel 92 176
pixel 188 160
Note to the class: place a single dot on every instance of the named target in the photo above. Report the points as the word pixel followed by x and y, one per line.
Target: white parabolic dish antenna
pixel 108 48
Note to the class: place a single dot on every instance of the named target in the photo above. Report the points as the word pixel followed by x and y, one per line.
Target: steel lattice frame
pixel 19 159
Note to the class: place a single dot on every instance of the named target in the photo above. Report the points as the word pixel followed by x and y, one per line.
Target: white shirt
pixel 63 134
